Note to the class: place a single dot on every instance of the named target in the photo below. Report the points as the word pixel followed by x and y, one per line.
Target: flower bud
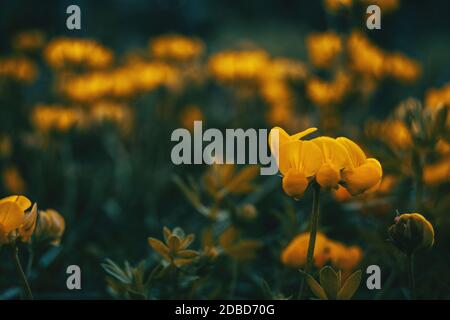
pixel 411 232
pixel 50 227
pixel 294 184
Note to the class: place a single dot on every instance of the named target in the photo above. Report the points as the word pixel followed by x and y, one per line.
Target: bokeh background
pixel 85 129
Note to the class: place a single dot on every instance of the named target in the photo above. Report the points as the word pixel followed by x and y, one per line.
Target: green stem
pixel 30 261
pixel 312 236
pixel 412 284
pixel 23 279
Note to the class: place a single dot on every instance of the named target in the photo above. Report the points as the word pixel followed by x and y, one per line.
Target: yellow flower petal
pixel 23 202
pixel 327 176
pixel 294 184
pixel 356 155
pixel 11 216
pixel 362 178
pixel 333 152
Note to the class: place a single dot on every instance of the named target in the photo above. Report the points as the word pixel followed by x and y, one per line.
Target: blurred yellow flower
pixel 324 93
pixel 323 48
pixel 336 5
pixel 5 145
pixel 294 255
pixel 284 69
pixel 235 247
pixel 29 40
pixel 117 113
pixel 122 82
pixel 56 117
pixel 13 180
pixel 50 227
pixel 400 67
pixel 393 132
pixel 365 57
pixel 437 173
pixel 229 66
pixel 64 52
pixel 342 257
pixel 176 47
pixel 385 5
pixel 362 173
pixel 18 69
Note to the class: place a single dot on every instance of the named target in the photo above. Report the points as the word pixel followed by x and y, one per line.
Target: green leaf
pixel 314 286
pixel 330 282
pixel 350 286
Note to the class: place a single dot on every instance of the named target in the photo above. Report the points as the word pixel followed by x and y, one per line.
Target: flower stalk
pixel 412 284
pixel 23 279
pixel 312 235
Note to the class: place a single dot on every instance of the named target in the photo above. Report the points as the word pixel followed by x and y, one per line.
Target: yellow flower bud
pixel 294 184
pixel 411 232
pixel 50 227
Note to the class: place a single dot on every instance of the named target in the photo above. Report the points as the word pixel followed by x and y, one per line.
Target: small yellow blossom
pixel 323 48
pixel 18 68
pixel 63 52
pixel 56 117
pixel 13 180
pixel 362 173
pixel 238 65
pixel 176 47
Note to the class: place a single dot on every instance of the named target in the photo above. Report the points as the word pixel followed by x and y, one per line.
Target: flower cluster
pixel 330 162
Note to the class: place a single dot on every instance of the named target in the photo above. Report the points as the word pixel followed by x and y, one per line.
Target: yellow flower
pixel 12 215
pixel 63 52
pixel 176 47
pixel 29 40
pixel 437 173
pixel 298 160
pixel 13 180
pixel 238 65
pixel 402 68
pixel 18 68
pixel 323 48
pixel 343 257
pixel 336 5
pixel 335 158
pixel 411 232
pixel 55 117
pixel 362 173
pixel 385 5
pixel 392 132
pixel 325 93
pixel 294 255
pixel 50 227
